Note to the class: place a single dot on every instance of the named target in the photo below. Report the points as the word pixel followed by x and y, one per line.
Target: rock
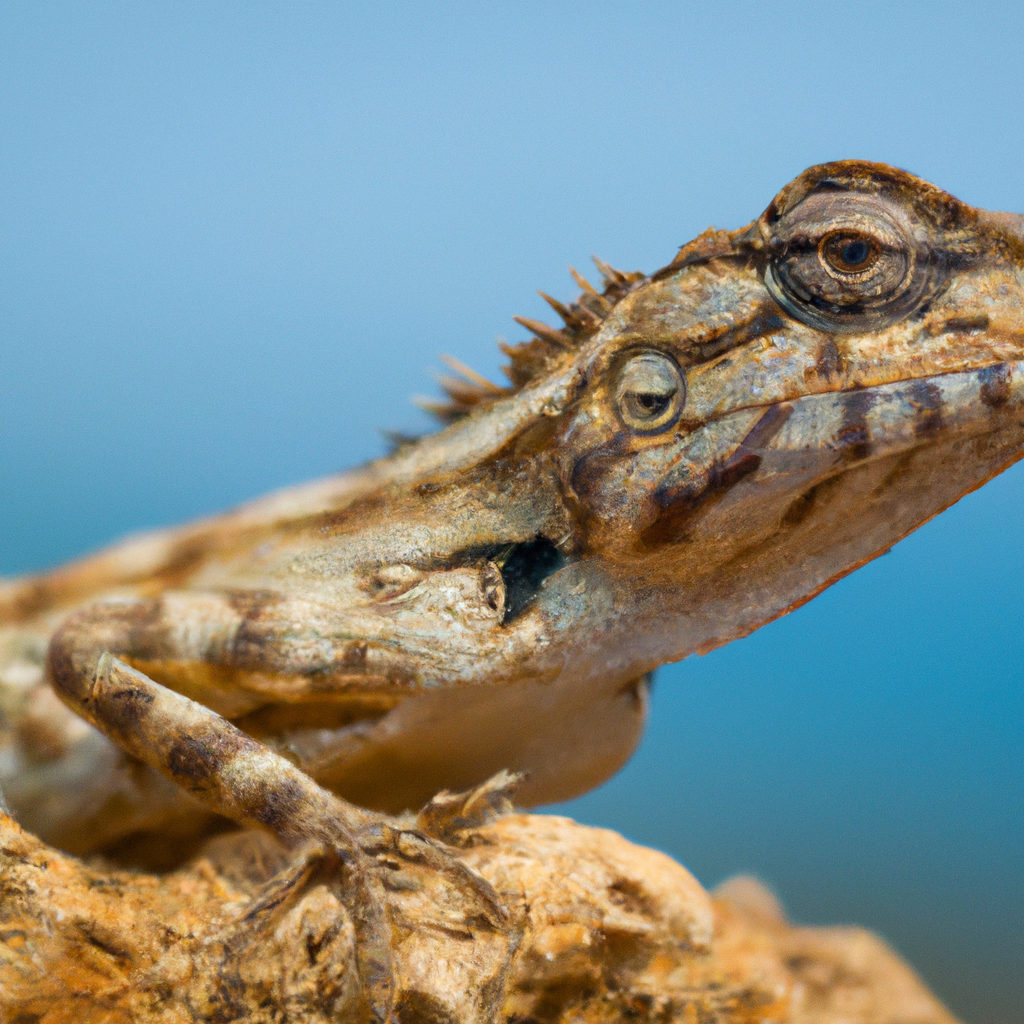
pixel 600 930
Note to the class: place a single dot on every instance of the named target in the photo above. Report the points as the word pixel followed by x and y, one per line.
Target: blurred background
pixel 234 236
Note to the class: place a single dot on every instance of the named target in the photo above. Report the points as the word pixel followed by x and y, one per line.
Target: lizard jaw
pixel 845 477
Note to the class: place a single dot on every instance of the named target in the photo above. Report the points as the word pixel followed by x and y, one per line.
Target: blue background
pixel 233 235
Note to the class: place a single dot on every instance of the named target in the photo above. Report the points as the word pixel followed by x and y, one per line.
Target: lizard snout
pixel 1011 224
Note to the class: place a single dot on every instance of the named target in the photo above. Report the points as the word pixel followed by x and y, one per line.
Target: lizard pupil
pixel 653 404
pixel 855 253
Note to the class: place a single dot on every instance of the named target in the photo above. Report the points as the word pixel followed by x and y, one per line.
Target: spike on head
pixel 568 317
pixel 558 338
pixel 583 283
pixel 609 273
pixel 471 375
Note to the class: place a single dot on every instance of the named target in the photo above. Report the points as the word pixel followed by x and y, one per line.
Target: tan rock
pixel 600 930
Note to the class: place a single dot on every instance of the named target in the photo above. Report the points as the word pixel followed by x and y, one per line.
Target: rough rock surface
pixel 600 930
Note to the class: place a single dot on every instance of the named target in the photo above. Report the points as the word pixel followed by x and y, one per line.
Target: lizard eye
pixel 844 252
pixel 650 392
pixel 846 262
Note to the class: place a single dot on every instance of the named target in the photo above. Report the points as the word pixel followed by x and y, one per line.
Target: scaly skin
pixel 696 453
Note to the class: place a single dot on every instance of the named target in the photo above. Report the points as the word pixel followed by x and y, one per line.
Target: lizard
pixel 694 453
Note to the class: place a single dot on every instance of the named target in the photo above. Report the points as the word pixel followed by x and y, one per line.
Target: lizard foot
pixel 382 871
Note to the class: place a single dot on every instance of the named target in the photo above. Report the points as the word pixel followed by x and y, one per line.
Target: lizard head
pixel 698 451
pixel 777 406
pixel 783 403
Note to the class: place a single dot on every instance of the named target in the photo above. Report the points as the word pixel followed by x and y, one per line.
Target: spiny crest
pixel 530 359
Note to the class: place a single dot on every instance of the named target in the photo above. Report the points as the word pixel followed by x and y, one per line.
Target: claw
pixel 350 880
pixel 450 816
pixel 414 847
pixel 363 896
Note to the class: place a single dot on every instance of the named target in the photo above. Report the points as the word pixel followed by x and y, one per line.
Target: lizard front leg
pixel 234 775
pixel 248 655
pixel 234 651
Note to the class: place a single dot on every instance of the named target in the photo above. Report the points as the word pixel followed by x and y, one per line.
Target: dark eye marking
pixel 765 320
pixel 967 323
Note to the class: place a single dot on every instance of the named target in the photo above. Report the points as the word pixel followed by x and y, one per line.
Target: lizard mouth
pixel 790 452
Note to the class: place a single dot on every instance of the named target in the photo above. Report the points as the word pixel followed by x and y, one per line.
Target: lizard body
pixel 693 454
